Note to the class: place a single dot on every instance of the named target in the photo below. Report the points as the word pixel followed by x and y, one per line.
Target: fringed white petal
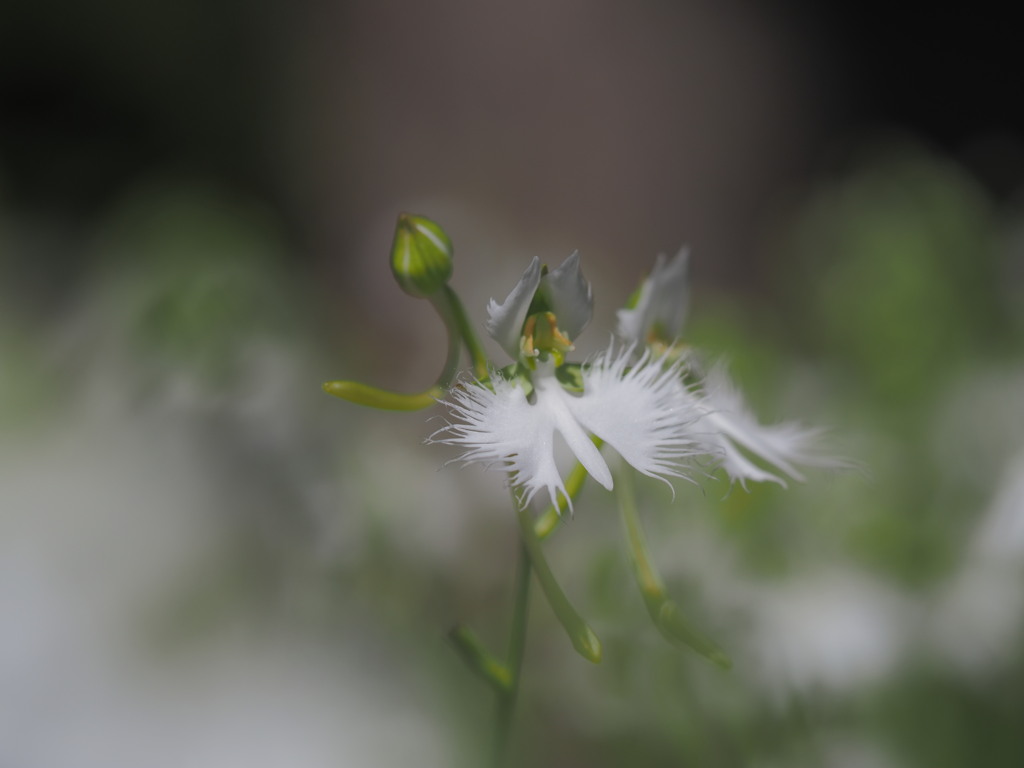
pixel 643 412
pixel 782 446
pixel 505 320
pixel 502 428
pixel 560 407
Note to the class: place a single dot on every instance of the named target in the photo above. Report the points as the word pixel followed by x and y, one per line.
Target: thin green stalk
pixel 465 330
pixel 583 638
pixel 647 578
pixel 508 696
pixel 447 305
pixel 663 611
pixel 364 394
pixel 469 648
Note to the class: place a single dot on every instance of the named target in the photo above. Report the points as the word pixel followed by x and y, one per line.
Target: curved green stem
pixel 447 305
pixel 465 331
pixel 663 611
pixel 364 394
pixel 450 310
pixel 583 638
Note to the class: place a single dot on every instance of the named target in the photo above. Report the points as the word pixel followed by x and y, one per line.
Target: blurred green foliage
pixel 199 276
pixel 894 272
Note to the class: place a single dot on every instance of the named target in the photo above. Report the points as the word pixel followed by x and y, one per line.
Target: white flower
pixel 640 411
pixel 656 318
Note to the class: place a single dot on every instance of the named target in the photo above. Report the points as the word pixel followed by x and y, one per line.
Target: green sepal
pixel 540 301
pixel 570 376
pixel 519 374
pixel 634 297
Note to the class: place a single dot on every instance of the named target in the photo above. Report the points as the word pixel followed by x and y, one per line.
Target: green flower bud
pixel 421 256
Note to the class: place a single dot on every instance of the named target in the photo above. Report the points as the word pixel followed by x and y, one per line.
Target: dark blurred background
pixel 629 128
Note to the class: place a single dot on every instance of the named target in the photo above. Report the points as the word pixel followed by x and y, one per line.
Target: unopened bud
pixel 421 256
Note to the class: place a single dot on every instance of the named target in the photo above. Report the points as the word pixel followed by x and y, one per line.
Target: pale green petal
pixel 662 303
pixel 569 295
pixel 505 320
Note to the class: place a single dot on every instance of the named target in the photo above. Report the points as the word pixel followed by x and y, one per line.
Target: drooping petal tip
pixel 779 449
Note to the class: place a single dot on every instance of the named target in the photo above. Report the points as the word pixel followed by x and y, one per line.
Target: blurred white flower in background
pixel 832 630
pixel 978 617
pixel 845 750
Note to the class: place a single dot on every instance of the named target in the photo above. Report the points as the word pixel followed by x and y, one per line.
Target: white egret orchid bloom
pixel 640 410
pixel 656 318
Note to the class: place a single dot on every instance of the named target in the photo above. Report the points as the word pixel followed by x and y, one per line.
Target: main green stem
pixel 516 646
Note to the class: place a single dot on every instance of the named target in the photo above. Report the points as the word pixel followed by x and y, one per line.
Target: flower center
pixel 543 339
